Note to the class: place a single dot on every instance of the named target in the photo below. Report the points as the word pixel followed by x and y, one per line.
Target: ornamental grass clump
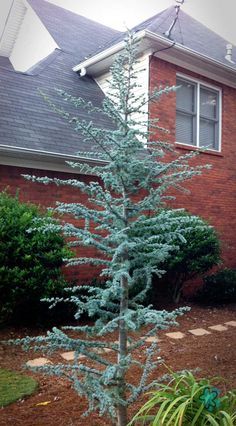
pixel 126 191
pixel 187 401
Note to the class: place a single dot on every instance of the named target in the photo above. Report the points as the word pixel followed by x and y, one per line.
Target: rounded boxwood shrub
pixel 218 288
pixel 192 258
pixel 30 262
pixel 195 250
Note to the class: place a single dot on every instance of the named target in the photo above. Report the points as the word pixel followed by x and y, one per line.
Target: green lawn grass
pixel 14 386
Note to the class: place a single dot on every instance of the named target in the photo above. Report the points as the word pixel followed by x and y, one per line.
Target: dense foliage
pixel 218 288
pixel 194 255
pixel 128 182
pixel 30 262
pixel 186 401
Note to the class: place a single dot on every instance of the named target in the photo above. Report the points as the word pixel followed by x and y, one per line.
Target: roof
pixel 187 32
pixel 72 32
pixel 26 120
pixel 190 33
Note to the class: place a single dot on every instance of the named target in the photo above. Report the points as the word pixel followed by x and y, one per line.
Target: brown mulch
pixel 214 354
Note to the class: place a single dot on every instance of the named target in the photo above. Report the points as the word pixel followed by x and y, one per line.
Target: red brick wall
pixel 213 195
pixel 47 196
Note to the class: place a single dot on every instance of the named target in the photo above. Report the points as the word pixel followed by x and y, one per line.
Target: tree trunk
pixel 122 416
pixel 122 409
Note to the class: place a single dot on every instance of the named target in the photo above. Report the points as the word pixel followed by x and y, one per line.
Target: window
pixel 197 114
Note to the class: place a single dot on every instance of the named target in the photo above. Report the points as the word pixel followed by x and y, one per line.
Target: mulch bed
pixel 214 354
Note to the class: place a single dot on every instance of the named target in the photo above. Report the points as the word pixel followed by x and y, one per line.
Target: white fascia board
pixel 154 43
pixel 153 36
pixel 105 54
pixel 23 157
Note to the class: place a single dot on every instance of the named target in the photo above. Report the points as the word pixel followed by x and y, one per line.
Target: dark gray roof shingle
pixel 73 33
pixel 187 31
pixel 190 33
pixel 27 121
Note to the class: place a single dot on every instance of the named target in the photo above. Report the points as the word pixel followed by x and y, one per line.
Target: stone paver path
pixel 177 335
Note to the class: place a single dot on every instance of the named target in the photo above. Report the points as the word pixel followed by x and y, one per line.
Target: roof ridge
pixel 142 23
pixel 68 11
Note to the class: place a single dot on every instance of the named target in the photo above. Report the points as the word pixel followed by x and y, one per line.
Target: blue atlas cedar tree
pixel 130 167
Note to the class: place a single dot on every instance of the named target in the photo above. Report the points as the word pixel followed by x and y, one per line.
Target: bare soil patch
pixel 213 353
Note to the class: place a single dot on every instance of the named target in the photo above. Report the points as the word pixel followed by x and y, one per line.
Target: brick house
pixel 44 46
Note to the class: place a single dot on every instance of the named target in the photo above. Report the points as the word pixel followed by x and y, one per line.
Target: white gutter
pixel 156 37
pixel 8 149
pixel 149 35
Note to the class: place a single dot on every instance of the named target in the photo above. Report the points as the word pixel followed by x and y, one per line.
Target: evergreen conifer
pixel 126 197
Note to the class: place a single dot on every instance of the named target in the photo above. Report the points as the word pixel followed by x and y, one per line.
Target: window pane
pixel 208 103
pixel 208 134
pixel 185 128
pixel 185 96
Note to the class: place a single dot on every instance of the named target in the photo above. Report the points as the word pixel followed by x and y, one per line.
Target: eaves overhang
pixel 44 160
pixel 166 49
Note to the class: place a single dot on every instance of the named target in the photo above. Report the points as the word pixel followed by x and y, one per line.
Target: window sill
pixel 194 148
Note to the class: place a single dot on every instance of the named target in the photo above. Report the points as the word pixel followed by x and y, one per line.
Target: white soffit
pixel 12 27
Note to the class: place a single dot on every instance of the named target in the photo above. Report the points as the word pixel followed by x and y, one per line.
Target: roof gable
pixel 190 33
pixel 73 33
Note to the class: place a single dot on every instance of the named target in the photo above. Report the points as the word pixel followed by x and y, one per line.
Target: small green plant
pixel 218 288
pixel 30 262
pixel 14 386
pixel 187 401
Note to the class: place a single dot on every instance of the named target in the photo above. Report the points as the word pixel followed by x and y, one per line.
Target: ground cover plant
pixel 30 262
pixel 14 386
pixel 127 193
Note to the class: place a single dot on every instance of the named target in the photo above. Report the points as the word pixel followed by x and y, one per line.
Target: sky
pixel 218 15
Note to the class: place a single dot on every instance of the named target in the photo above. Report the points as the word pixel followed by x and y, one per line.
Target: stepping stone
pixel 107 350
pixel 175 335
pixel 100 351
pixel 218 327
pixel 232 323
pixel 199 332
pixel 38 362
pixel 68 356
pixel 151 339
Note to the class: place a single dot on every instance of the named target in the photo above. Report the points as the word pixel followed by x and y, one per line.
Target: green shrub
pixel 195 254
pixel 186 401
pixel 30 262
pixel 218 288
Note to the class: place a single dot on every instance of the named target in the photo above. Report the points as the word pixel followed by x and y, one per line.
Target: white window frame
pixel 200 83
